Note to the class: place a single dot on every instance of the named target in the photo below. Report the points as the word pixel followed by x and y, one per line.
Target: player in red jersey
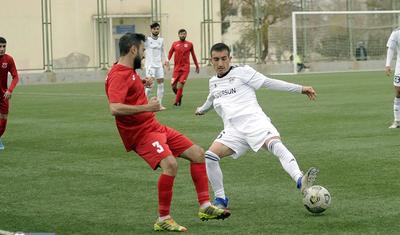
pixel 7 65
pixel 182 50
pixel 157 144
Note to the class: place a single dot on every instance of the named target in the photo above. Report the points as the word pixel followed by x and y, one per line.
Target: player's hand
pixel 310 92
pixel 148 82
pixel 198 111
pixel 7 95
pixel 197 70
pixel 388 71
pixel 154 105
pixel 166 65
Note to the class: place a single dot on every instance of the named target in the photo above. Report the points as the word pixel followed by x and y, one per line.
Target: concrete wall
pixel 74 31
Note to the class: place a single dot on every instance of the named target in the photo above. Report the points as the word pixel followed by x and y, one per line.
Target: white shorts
pixel 155 72
pixel 250 131
pixel 396 80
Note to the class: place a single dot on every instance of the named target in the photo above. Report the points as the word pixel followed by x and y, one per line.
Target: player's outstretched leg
pixel 307 180
pixel 169 225
pixel 213 212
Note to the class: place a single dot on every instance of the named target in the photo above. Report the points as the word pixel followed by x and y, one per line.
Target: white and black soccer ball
pixel 316 199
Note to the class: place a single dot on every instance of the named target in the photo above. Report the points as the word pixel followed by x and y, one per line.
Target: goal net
pixel 330 41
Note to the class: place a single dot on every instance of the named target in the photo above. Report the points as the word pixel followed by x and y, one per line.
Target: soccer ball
pixel 316 199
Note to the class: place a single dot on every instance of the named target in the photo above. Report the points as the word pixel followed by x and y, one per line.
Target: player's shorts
pixel 244 132
pixel 179 76
pixel 396 80
pixel 4 106
pixel 155 146
pixel 155 72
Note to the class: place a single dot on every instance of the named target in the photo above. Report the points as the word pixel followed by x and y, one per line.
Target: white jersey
pixel 394 45
pixel 154 53
pixel 234 94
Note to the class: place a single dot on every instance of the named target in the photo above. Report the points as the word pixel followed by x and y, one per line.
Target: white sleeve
pixel 207 105
pixel 257 80
pixel 163 54
pixel 280 85
pixel 392 41
pixel 389 56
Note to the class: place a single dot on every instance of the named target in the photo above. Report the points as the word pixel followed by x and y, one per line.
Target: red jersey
pixel 123 85
pixel 7 65
pixel 182 51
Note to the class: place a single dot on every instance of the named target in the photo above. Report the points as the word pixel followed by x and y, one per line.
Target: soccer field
pixel 65 170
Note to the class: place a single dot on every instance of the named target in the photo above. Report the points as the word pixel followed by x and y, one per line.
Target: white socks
pixel 396 109
pixel 288 161
pixel 147 91
pixel 215 174
pixel 160 92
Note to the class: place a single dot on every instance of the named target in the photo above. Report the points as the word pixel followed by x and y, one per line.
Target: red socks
pixel 200 180
pixel 165 185
pixel 178 95
pixel 3 124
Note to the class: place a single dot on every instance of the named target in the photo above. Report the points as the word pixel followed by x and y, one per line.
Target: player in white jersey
pixel 393 45
pixel 232 95
pixel 155 60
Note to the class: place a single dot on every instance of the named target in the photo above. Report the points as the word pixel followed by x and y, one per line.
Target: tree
pixel 267 12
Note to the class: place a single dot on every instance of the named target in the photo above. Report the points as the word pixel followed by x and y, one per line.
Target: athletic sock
pixel 165 190
pixel 200 180
pixel 3 124
pixel 160 92
pixel 178 95
pixel 147 91
pixel 396 109
pixel 288 161
pixel 214 173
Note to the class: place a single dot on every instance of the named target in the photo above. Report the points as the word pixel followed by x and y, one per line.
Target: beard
pixel 182 38
pixel 137 62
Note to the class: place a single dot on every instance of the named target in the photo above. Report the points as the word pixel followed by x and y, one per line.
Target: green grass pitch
pixel 65 170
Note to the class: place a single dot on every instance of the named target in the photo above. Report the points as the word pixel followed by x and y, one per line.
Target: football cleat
pixel 213 212
pixel 221 203
pixel 169 225
pixel 162 108
pixel 395 124
pixel 307 180
pixel 1 145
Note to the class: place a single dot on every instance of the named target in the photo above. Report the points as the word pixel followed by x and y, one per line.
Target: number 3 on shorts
pixel 157 144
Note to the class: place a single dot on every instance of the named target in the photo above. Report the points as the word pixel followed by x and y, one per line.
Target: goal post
pixel 333 41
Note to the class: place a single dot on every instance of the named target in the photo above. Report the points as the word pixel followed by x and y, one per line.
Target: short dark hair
pixel 221 47
pixel 129 40
pixel 2 40
pixel 155 24
pixel 182 31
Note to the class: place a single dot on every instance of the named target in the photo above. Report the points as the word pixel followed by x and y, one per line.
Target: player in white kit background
pixel 232 95
pixel 155 60
pixel 393 45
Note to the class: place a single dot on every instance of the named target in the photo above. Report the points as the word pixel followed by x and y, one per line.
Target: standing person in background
pixel 7 66
pixel 392 46
pixel 155 60
pixel 182 50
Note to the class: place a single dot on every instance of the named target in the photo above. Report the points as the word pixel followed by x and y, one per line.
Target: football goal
pixel 332 41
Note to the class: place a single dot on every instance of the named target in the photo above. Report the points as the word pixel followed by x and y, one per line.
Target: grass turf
pixel 64 169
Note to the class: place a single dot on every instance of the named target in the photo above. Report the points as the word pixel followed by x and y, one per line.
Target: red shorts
pixel 155 146
pixel 179 76
pixel 4 106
